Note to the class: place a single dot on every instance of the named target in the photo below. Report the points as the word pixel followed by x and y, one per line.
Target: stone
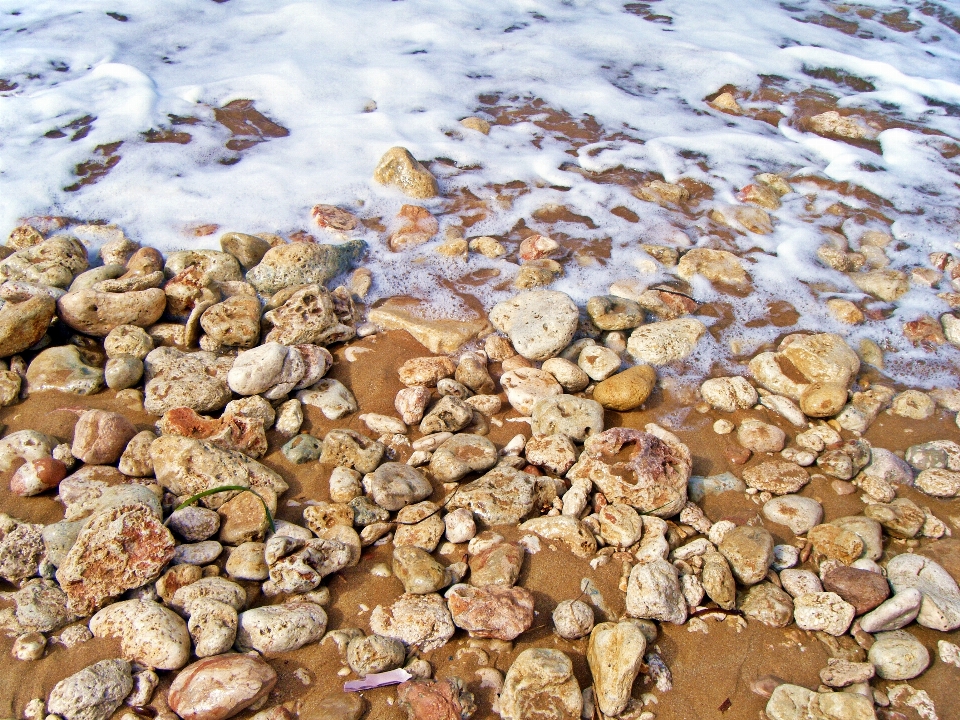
pixel 460 455
pixel 29 646
pixel 609 312
pixel 208 589
pixel 39 606
pixel 289 418
pixel 939 482
pixel 728 394
pixel 448 699
pixel 789 702
pixel 97 313
pixel 940 608
pixel 760 437
pixel 503 496
pixel 400 169
pixel 99 437
pixel 23 324
pixel 898 655
pixel 194 523
pixel 620 525
pixel 395 485
pixel 835 543
pixel 895 613
pixel 472 372
pixel 901 517
pixel 306 316
pixel 888 285
pixel 885 471
pixel 93 693
pixel 863 589
pixel 375 654
pixel 566 529
pixel 350 449
pixel 627 390
pixel 615 656
pixel 36 476
pixel 823 357
pixel 117 550
pixel 843 706
pixel 259 370
pixel 823 611
pixel 664 342
pixel 273 629
pixel 776 476
pixel 418 571
pixel 653 591
pixel 572 619
pixel 718 266
pixel 247 249
pixel 840 673
pixel 444 335
pixel 213 627
pixel 525 386
pixel 63 368
pixel 768 604
pixel 420 621
pixel 598 362
pixel 426 371
pixel 54 261
pixel 235 322
pixel 459 526
pixel 556 453
pixel 798 513
pixel 491 611
pixel 221 686
pixel 717 580
pixel 149 634
pixel 540 685
pixel 302 449
pixel 539 323
pixel 571 378
pixel 577 418
pixel 749 550
pixel 868 530
pixel 246 562
pixel 449 414
pixel 303 264
pixel 654 477
pixel 331 397
pixel 243 517
pixel 766 370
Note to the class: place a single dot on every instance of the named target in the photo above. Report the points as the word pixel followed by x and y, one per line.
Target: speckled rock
pixel 526 385
pixel 212 626
pixel 898 655
pixel 491 611
pixel 22 324
pixel 400 169
pixel 350 449
pixel 100 437
pixel 664 342
pixel 449 414
pixel 577 418
pixel 235 322
pixel 610 312
pixel 375 654
pixel 615 656
pixel 298 565
pixel 194 523
pixel 760 437
pixel 539 323
pixel 221 686
pixel 302 264
pixel 940 608
pixel 93 693
pixel 556 453
pixel 306 316
pixel 824 611
pixel 572 619
pixel 273 629
pixel 502 496
pixel 149 633
pixel 540 684
pixel 767 603
pixel 97 313
pixel 776 476
pixel 395 485
pixel 63 368
pixel 653 591
pixel 421 621
pixel 54 261
pixel 728 394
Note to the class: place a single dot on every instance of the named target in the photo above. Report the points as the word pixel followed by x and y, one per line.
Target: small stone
pixel 273 629
pixel 598 362
pixel 449 414
pixel 201 553
pixel 717 266
pixel 800 582
pixel 418 571
pixel 289 418
pixel 36 476
pixel 94 693
pixel 100 437
pixel 459 526
pixel 400 169
pixel 247 249
pixel 898 655
pixel 491 611
pixel 939 482
pixel 768 604
pixel 620 525
pixel 835 543
pixel 540 682
pixel 626 390
pixel 556 453
pixel 565 528
pixel 718 581
pixel 572 619
pixel 609 312
pixel 824 611
pixel 332 397
pixel 525 386
pixel 23 324
pixel 235 322
pixel 895 613
pixel 913 404
pixel 374 654
pixel 653 591
pixel 149 633
pixel 421 621
pixel 498 564
pixel 540 323
pixel 29 646
pixel 749 550
pixel 840 673
pixel 571 378
pixel 302 449
pixel 97 313
pixel 776 476
pixel 760 437
pixel 863 589
pixel 351 449
pixel 798 513
pixel 728 394
pixel 900 517
pixel 823 399
pixel 221 686
pixel 577 418
pixel 128 340
pixel 887 285
pixel 502 496
pixel 395 485
pixel 194 523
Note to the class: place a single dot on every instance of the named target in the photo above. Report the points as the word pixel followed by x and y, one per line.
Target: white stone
pixel 898 655
pixel 940 608
pixel 824 611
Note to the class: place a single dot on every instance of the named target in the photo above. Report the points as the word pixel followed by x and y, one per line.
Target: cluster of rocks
pixel 242 333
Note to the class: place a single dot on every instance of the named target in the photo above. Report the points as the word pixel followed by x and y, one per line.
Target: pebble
pixel 97 313
pixel 895 613
pixel 221 686
pixel 525 386
pixel 395 485
pixel 913 405
pixel 247 562
pixel 939 482
pixel 749 550
pixel 36 476
pixel 718 581
pixel 571 378
pixel 295 264
pixel 208 588
pixel 194 523
pixel 699 487
pixel 93 693
pixel 572 619
pixel 609 312
pixel 626 390
pixel 331 397
pixel 201 553
pixel 426 371
pixel 540 678
pixel 213 627
pixel 503 496
pixel 496 564
pixel 898 655
pixel 539 323
pixel 23 324
pixel 459 526
pixel 835 543
pixel 798 513
pixel 263 368
pixel 615 656
pixel 63 368
pixel 823 611
pixel 760 437
pixel 823 399
pixel 840 673
pixel 375 654
pixel 235 322
pixel 449 414
pixel 400 169
pixel 421 621
pixel 289 418
pixel 300 315
pixel 273 629
pixel 653 591
pixel 577 418
pixel 598 362
pixel 39 606
pixel 620 525
pixel 491 611
pixel 149 634
pixel 247 249
pixel 351 449
pixel 863 589
pixel 664 342
pixel 940 608
pixel 565 528
pixel 556 452
pixel 901 517
pixel 302 449
pixel 100 437
pixel 949 653
pixel 29 646
pixel 418 571
pixel 728 394
pixel 776 476
pixel 411 403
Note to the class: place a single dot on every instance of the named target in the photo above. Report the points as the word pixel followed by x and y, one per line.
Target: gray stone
pixel 94 693
pixel 273 629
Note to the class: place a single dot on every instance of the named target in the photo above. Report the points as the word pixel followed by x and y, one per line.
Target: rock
pixel 843 706
pixel 598 362
pixel 375 654
pixel 221 686
pixel 128 340
pixel 418 571
pixel 439 336
pixel 149 633
pixel 626 390
pixel 117 550
pixel 653 591
pixel 823 357
pixel 213 627
pixel 350 449
pixel 565 528
pixel 265 367
pixel 247 249
pixel 540 684
pixel 901 517
pixel 462 454
pixel 298 565
pixel 273 629
pixel 898 655
pixel 194 523
pixel 395 485
pixel 717 580
pixel 449 414
pixel 577 418
pixel 52 262
pixel 303 264
pixel 243 517
pixel 654 477
pixel 940 608
pixel 749 550
pixel 615 656
pixel 306 316
pixel 235 322
pixel 97 313
pixel 94 693
pixel 556 453
pixel 39 606
pixel 491 611
pixel 123 372
pixel 835 543
pixel 29 646
pixel 437 700
pixel 421 621
pixel 760 437
pixel 231 432
pixel 26 446
pixel 824 611
pixel 36 476
pixel 246 562
pixel 776 476
pixel 939 482
pixel 885 471
pixel 768 604
pixel 332 397
pixel 895 613
pixel 503 496
pixel 664 342
pixel 539 323
pixel 728 394
pixel 23 324
pixel 572 619
pixel 888 285
pixel 718 266
pixel 620 525
pixel 840 673
pixel 302 449
pixel 100 437
pixel 798 513
pixel 459 526
pixel 789 702
pixel 208 589
pixel 63 368
pixel 289 418
pixel 400 169
pixel 863 589
pixel 425 371
pixel 868 530
pixel 571 378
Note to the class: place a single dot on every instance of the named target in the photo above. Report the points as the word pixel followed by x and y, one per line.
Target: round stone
pixel 898 655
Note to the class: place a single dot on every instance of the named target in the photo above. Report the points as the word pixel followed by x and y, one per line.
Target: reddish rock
pixel 220 686
pixel 231 432
pixel 435 699
pixel 117 550
pixel 100 437
pixel 492 611
pixel 496 565
pixel 863 589
pixel 36 476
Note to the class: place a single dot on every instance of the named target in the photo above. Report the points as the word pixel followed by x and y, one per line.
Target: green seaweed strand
pixel 225 488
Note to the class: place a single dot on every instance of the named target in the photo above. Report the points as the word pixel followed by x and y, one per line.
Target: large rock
pixel 540 685
pixel 653 592
pixel 503 496
pixel 279 628
pixel 615 656
pixel 22 324
pixel 421 621
pixel 303 264
pixel 492 611
pixel 52 262
pixel 940 608
pixel 97 313
pixel 540 323
pixel 94 693
pixel 221 686
pixel 149 633
pixel 665 342
pixel 234 322
pixel 307 316
pixel 100 437
pixel 749 550
pixel 63 368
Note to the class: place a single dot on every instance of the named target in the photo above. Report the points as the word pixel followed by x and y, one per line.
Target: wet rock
pixel 449 414
pixel 868 530
pixel 247 249
pixel 199 392
pixel 269 367
pixel 717 580
pixel 123 372
pixel 566 529
pixel 36 476
pixel 149 633
pixel 615 656
pixel 749 550
pixel 52 262
pixel 421 621
pixel 760 437
pixel 208 589
pixel 298 565
pixel 221 686
pixel 332 397
pixel 459 526
pixel 503 496
pixel 776 476
pixel 540 683
pixel 577 418
pixel 395 485
pixel 39 606
pixel 598 362
pixel 653 479
pixel 411 403
pixel 306 316
pixel 885 471
pixel 426 371
pixel 462 454
pixel 97 313
pixel 556 453
pixel 24 445
pixel 400 169
pixel 63 368
pixel 231 432
pixel 302 449
pixel 666 341
pixel 273 629
pixel 572 619
pixel 243 517
pixel 23 324
pixel 835 543
pixel 728 394
pixel 29 646
pixel 823 611
pixel 653 591
pixel 940 608
pixel 609 312
pixel 491 611
pixel 419 525
pixel 898 655
pixel 840 673
pixel 798 513
pixel 94 693
pixel 939 482
pixel 117 550
pixel 289 418
pixel 768 604
pixel 571 378
pixel 863 589
pixel 900 517
pixel 437 700
pixel 418 571
pixel 626 390
pixel 789 702
pixel 375 654
pixel 201 553
pixel 350 449
pixel 235 322
pixel 539 323
pixel 302 264
pixel 895 613
pixel 246 562
pixel 99 437
pixel 888 285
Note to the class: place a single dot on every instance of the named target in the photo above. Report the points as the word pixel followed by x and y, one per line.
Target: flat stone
pixel 749 550
pixel 462 454
pixel 93 693
pixel 375 654
pixel 149 633
pixel 395 485
pixel 437 335
pixel 901 517
pixel 540 684
pixel 273 629
pixel 331 397
pixel 498 564
pixel 615 656
pixel 539 323
pixel 835 543
pixel 664 342
pixel 566 529
pixel 824 611
pixel 760 437
pixel 789 702
pixel 99 437
pixel 776 476
pixel 347 448
pixel 798 513
pixel 63 368
pixel 729 394
pixel 221 686
pixel 840 673
pixel 610 312
pixel 97 313
pixel 491 611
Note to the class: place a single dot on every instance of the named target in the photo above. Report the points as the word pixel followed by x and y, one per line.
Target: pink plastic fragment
pixel 375 680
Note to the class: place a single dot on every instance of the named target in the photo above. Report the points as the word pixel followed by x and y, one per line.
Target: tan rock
pixel 97 313
pixel 717 266
pixel 400 169
pixel 221 686
pixel 439 336
pixel 22 324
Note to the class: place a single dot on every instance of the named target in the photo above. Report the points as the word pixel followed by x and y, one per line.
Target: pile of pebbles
pixel 224 345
